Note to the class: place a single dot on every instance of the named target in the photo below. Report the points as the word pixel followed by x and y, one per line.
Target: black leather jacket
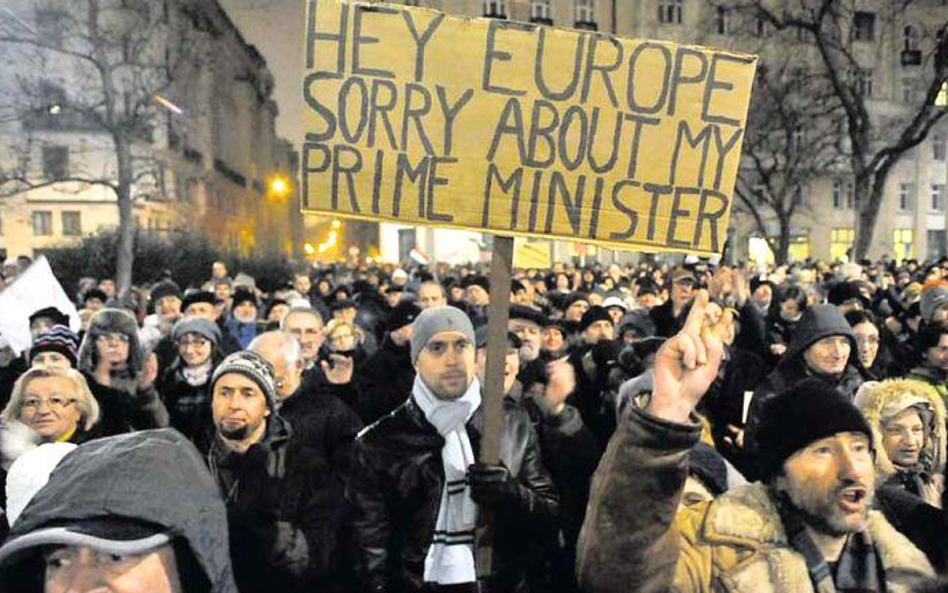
pixel 396 489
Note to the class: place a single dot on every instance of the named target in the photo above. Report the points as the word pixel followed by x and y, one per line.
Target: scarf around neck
pixel 450 559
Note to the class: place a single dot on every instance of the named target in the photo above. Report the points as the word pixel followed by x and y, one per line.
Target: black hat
pixel 197 296
pixel 480 338
pixel 55 316
pixel 476 280
pixel 244 295
pixel 163 289
pixel 594 314
pixel 527 313
pixel 340 304
pixel 806 412
pixel 516 286
pixel 95 293
pixel 572 298
pixel 842 292
pixel 404 313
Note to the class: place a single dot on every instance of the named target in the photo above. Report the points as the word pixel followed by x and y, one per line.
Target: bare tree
pixel 831 38
pixel 789 139
pixel 120 58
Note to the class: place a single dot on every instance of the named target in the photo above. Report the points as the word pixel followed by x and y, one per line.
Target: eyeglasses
pixel 55 402
pixel 112 338
pixel 199 342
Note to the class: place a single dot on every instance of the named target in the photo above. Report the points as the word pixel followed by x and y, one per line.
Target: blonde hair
pixel 85 401
pixel 336 324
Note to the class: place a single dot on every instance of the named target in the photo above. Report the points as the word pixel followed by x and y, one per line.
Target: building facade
pixel 892 51
pixel 205 153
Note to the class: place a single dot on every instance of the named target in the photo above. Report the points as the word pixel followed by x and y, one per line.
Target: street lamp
pixel 278 186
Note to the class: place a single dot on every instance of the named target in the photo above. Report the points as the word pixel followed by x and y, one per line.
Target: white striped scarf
pixel 450 559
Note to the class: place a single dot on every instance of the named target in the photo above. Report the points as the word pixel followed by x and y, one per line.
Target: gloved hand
pixel 491 484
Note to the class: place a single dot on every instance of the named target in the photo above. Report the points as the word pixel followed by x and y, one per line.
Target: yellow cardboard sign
pixel 416 117
pixel 532 254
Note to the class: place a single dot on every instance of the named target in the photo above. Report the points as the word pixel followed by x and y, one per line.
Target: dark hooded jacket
pixel 818 322
pixel 153 476
pixel 125 406
pixel 283 509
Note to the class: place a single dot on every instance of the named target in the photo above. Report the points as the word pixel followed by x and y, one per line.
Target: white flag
pixel 34 289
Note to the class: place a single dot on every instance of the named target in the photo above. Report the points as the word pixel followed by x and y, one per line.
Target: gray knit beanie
pixel 438 319
pixel 254 367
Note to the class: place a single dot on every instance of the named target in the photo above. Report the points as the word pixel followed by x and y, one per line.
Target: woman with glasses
pixel 120 374
pixel 54 403
pixel 47 405
pixel 184 385
pixel 869 340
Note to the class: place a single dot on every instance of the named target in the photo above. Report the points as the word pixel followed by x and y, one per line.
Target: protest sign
pixel 530 254
pixel 34 289
pixel 518 129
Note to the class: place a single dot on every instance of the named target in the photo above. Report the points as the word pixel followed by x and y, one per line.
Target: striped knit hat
pixel 254 367
pixel 57 338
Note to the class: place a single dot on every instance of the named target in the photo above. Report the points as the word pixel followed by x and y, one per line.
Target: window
pixel 540 12
pixel 841 240
pixel 411 3
pixel 938 197
pixel 798 139
pixel 903 244
pixel 42 223
pixel 49 26
pixel 937 244
pixel 801 196
pixel 495 8
pixel 669 11
pixel 585 13
pixel 909 38
pixel 908 90
pixel 722 21
pixel 864 82
pixel 843 194
pixel 938 146
pixel 906 196
pixel 1 223
pixel 72 223
pixel 864 26
pixel 55 162
pixel 837 194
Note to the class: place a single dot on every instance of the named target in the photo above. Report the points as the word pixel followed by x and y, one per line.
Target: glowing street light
pixel 279 186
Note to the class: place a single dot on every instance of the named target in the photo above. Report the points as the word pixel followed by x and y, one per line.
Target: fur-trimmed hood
pixel 107 321
pixel 881 400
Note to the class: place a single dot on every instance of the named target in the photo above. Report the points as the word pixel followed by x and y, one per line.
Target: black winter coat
pixel 189 406
pixel 386 377
pixel 284 510
pixel 396 487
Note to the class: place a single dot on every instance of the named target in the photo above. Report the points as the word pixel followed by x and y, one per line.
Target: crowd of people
pixel 686 427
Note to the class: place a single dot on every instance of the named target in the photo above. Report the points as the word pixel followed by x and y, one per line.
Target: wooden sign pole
pixel 492 392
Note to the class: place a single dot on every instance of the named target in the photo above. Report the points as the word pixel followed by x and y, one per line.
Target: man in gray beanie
pixel 416 487
pixel 283 511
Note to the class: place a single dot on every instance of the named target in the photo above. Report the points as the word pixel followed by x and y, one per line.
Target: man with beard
pixel 416 488
pixel 807 527
pixel 526 322
pixel 283 511
pixel 242 321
